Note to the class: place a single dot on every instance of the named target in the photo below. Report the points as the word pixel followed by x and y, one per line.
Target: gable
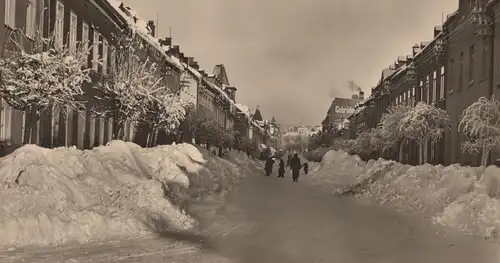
pixel 220 73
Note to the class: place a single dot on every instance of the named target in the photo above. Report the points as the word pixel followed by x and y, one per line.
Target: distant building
pixel 340 109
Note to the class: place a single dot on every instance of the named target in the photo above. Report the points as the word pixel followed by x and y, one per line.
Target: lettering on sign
pixel 343 110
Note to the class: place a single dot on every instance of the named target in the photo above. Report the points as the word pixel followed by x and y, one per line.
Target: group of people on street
pixel 293 162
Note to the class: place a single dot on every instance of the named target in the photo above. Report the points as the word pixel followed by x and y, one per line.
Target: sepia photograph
pixel 250 131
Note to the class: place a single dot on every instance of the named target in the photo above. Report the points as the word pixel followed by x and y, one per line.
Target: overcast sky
pixel 291 57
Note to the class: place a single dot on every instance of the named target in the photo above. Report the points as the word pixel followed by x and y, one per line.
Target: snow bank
pixel 463 198
pixel 55 196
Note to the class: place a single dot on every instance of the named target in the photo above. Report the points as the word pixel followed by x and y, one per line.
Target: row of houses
pixel 97 23
pixel 451 71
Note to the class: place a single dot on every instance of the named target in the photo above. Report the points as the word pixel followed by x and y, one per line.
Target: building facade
pixel 97 23
pixel 452 71
pixel 339 110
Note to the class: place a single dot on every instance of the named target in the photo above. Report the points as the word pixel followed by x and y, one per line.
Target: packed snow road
pixel 268 219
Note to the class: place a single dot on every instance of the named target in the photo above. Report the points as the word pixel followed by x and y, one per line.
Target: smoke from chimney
pixel 353 87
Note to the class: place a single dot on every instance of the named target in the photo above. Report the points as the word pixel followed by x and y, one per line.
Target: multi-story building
pixel 97 23
pixel 339 110
pixel 451 72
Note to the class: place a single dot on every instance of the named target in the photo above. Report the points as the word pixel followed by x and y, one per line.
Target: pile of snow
pixel 63 195
pixel 462 198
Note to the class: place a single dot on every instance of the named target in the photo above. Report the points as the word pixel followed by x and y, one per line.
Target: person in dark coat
pixel 306 168
pixel 268 167
pixel 281 169
pixel 295 166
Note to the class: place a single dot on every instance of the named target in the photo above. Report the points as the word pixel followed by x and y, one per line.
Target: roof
pixel 386 73
pixel 220 73
pixel 140 27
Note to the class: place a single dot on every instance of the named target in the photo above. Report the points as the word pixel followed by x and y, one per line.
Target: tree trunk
pixel 420 152
pixel 484 156
pixel 31 117
pixel 401 148
pixel 425 151
pixel 148 139
pixel 155 137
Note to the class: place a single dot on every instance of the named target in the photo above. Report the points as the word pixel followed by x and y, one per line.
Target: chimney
pixel 166 41
pixel 231 92
pixel 409 58
pixel 182 58
pixel 401 61
pixel 152 28
pixel 424 44
pixel 437 30
pixel 175 51
pixel 416 49
pixel 361 96
pixel 354 97
pixel 190 61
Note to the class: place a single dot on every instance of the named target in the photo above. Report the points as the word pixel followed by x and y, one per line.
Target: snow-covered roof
pixel 218 89
pixel 193 71
pixel 243 108
pixel 141 28
pixel 399 71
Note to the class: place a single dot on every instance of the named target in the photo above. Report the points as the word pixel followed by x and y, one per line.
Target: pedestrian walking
pixel 281 169
pixel 306 168
pixel 268 166
pixel 288 161
pixel 295 167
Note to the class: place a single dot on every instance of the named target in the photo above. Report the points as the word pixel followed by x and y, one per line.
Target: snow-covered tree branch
pixel 165 112
pixel 294 141
pixel 132 89
pixel 480 123
pixel 389 128
pixel 46 76
pixel 363 142
pixel 423 124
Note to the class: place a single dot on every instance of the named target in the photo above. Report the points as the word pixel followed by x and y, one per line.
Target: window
pixel 461 72
pixel 30 18
pixel 85 36
pixel 442 93
pixel 73 24
pixel 427 90
pixel 10 13
pixel 421 87
pixel 485 60
pixel 95 51
pixel 471 63
pixel 451 75
pixel 59 25
pixel 112 58
pixel 434 86
pixel 105 48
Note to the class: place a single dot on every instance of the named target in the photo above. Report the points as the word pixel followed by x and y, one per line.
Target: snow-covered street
pixel 268 219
